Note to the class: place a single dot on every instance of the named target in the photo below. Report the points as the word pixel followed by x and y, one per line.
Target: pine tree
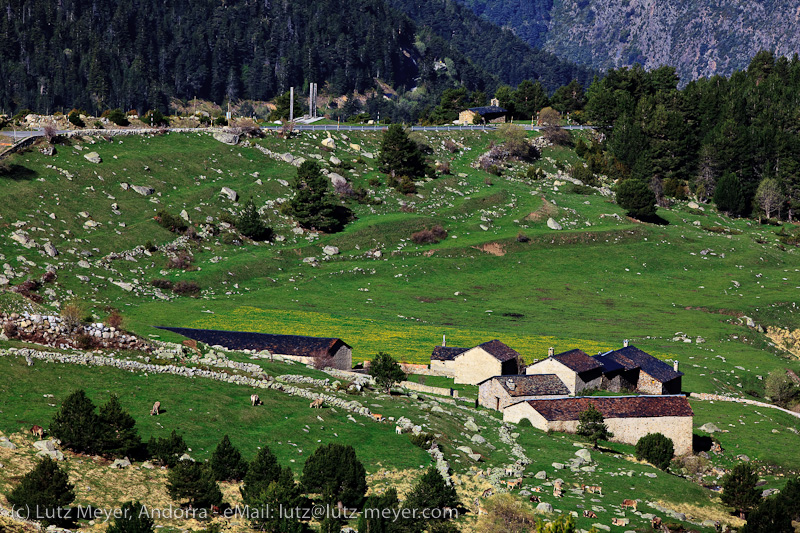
pixel 281 493
pixel 167 450
pixel 260 473
pixel 227 463
pixel 193 484
pixel 377 522
pixel 251 225
pixel 119 436
pixel 739 489
pixel 591 425
pixel 399 156
pixel 728 195
pixel 334 471
pixel 637 198
pixel 313 205
pixel 42 491
pixel 76 424
pixel 431 491
pixel 386 371
pixel 132 518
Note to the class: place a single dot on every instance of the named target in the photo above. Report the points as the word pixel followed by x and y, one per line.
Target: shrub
pixel 581 189
pixel 186 288
pixel 84 341
pixel 251 225
pixel 495 170
pixel 49 277
pixel 118 117
pixel 557 135
pixel 150 247
pixel 75 119
pixel 374 182
pixel 194 484
pixel 181 261
pixel 154 117
pixel 227 463
pixel 422 440
pixel 450 146
pixel 167 450
pixel 114 319
pixel 132 518
pixel 10 330
pixel 429 236
pixel 171 222
pixel 637 198
pixel 443 167
pixel 535 173
pixel 656 449
pixel 43 490
pixel 592 426
pixel 525 423
pixel 163 284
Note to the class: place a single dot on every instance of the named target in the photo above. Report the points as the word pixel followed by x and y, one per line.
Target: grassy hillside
pixel 598 281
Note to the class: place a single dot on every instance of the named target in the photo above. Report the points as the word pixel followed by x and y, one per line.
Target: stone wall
pixel 551 366
pixel 475 365
pixel 442 368
pixel 441 391
pixel 648 385
pixel 717 397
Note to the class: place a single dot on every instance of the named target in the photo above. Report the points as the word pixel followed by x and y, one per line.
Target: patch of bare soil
pixel 493 248
pixel 547 210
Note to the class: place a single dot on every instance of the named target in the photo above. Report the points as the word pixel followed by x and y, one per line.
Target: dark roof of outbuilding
pixel 578 361
pixel 613 407
pixel 488 110
pixel 499 351
pixel 632 357
pixel 533 385
pixel 277 344
pixel 446 353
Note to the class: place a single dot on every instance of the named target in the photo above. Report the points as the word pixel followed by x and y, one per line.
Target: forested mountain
pixel 699 37
pixel 137 54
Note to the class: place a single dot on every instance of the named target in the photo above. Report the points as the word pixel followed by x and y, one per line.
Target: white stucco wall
pixel 475 365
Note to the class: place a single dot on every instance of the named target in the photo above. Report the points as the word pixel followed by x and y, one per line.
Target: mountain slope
pixel 698 38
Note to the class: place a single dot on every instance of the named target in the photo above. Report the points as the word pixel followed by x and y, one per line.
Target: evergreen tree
pixel 529 98
pixel 42 492
pixel 193 484
pixel 656 449
pixel 386 371
pixel 313 205
pixel 399 155
pixel 119 436
pixel 776 513
pixel 377 522
pixel 260 473
pixel 227 463
pixel 251 225
pixel 728 195
pixel 334 471
pixel 76 424
pixel 132 518
pixel 167 450
pixel 637 198
pixel 281 493
pixel 739 489
pixel 591 425
pixel 431 491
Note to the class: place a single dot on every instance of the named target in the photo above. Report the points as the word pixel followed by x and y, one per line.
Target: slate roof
pixel 563 409
pixel 499 351
pixel 276 344
pixel 533 385
pixel 632 357
pixel 488 110
pixel 578 361
pixel 446 353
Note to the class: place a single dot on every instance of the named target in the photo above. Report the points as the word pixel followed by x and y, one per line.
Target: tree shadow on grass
pixel 17 172
pixel 655 219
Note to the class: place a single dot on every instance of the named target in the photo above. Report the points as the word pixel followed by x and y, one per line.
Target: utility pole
pixel 291 104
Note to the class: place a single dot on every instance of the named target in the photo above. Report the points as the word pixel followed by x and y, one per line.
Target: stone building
pixel 501 391
pixel 486 114
pixel 331 352
pixel 631 369
pixel 629 418
pixel 575 368
pixel 472 365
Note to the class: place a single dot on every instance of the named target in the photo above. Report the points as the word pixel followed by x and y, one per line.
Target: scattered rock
pixel 227 138
pixel 470 425
pixel 45 445
pixel 329 143
pixel 552 224
pixel 478 439
pixel 709 427
pixel 544 507
pixel 144 191
pixel 230 193
pixel 121 463
pixel 93 157
pixel 50 250
pixel 584 454
pixel 541 474
pixel 330 250
pixel 8 444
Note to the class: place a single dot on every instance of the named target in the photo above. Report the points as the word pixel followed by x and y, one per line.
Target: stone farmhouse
pixel 501 391
pixel 332 352
pixel 628 417
pixel 575 368
pixel 632 369
pixel 473 365
pixel 487 114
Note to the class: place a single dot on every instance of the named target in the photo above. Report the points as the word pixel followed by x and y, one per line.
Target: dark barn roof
pixel 499 351
pixel 533 385
pixel 613 407
pixel 488 110
pixel 446 353
pixel 632 357
pixel 578 361
pixel 277 344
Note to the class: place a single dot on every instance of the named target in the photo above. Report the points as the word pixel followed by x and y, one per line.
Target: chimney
pixel 495 102
pixel 551 352
pixel 625 343
pixel 444 341
pixel 675 365
pixel 510 384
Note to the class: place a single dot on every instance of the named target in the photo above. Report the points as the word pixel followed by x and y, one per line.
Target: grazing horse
pixel 255 400
pixel 535 499
pixel 316 404
pixel 156 409
pixel 589 514
pixel 618 521
pixel 514 483
pixel 656 522
pixel 487 493
pixel 629 504
pixel 38 431
pixel 377 417
pixel 594 489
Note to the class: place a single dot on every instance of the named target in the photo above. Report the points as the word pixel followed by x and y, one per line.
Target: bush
pixel 43 490
pixel 10 330
pixel 132 518
pixel 227 463
pixel 535 173
pixel 495 170
pixel 581 189
pixel 181 261
pixel 114 320
pixel 84 341
pixel 171 222
pixel 450 146
pixel 154 117
pixel 374 182
pixel 525 423
pixel 656 449
pixel 163 284
pixel 429 236
pixel 186 288
pixel 251 225
pixel 167 450
pixel 636 197
pixel 75 119
pixel 443 167
pixel 194 484
pixel 422 440
pixel 118 117
pixel 557 135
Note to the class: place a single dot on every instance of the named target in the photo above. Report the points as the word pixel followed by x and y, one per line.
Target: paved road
pixel 19 135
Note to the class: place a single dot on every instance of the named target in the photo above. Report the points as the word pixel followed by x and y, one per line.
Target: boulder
pixel 144 191
pixel 475 456
pixel 541 474
pixel 45 445
pixel 709 427
pixel 185 215
pixel 53 454
pixel 121 463
pixel 50 250
pixel 552 224
pixel 227 138
pixel 8 445
pixel 336 179
pixel 186 457
pixel 584 454
pixel 93 157
pixel 330 250
pixel 230 193
pixel 21 237
pixel 544 507
pixel 470 425
pixel 478 439
pixel 693 205
pixel 329 143
pixel 355 147
pixel 335 160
